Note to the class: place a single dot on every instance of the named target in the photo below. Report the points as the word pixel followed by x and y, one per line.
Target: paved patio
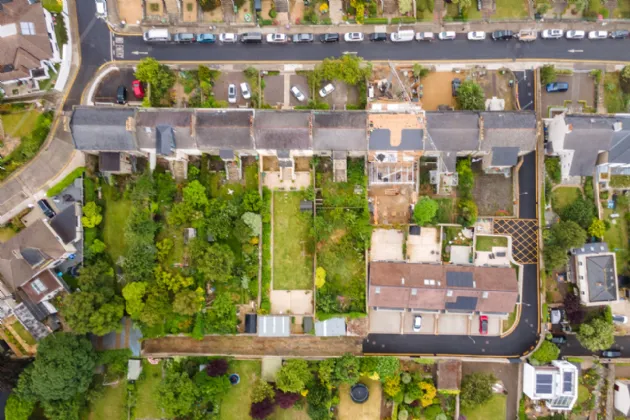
pixel 424 248
pixel 274 181
pixel 387 245
pixel 291 302
pixel 460 254
pixel 483 257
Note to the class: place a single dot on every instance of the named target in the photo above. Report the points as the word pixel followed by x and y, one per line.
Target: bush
pixel 545 353
pixel 376 20
pixel 273 13
pixel 548 74
pixel 552 167
pixel 624 79
pixel 65 182
pixel 476 389
pixel 217 367
pixel 425 210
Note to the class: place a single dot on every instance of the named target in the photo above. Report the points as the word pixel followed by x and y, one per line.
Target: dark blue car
pixel 557 87
pixel 206 38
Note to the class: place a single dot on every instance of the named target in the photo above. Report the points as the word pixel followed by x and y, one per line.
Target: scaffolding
pixel 399 173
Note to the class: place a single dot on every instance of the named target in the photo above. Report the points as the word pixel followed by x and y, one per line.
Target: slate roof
pixel 285 130
pixel 224 129
pixel 452 131
pixel 65 224
pixel 600 274
pixel 181 122
pixel 504 156
pixel 343 130
pixel 509 129
pixel 164 140
pixel 410 139
pixel 102 129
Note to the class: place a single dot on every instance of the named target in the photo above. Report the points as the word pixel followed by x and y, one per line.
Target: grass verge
pixel 115 220
pixel 146 406
pixel 493 409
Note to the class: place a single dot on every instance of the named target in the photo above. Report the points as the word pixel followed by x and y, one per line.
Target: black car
pixel 329 38
pixel 619 34
pixel 121 95
pixel 46 209
pixel 559 339
pixel 502 35
pixel 455 84
pixel 378 36
pixel 611 354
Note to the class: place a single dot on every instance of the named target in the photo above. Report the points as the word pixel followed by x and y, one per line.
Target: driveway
pixel 386 322
pixel 274 90
pixel 452 324
pixel 302 83
pixel 494 325
pixel 428 323
pixel 107 89
pixel 581 88
pixel 221 88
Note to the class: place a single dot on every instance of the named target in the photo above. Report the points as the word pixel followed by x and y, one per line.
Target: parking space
pixel 425 246
pixel 301 82
pixel 494 326
pixel 427 326
pixel 386 322
pixel 453 324
pixel 342 95
pixel 106 90
pixel 387 245
pixel 579 97
pixel 524 233
pixel 221 88
pixel 274 90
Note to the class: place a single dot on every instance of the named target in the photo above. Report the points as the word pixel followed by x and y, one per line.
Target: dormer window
pixel 28 28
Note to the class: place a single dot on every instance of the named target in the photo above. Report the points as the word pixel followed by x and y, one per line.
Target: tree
pixel 97 247
pixel 476 389
pixel 10 370
pixel 262 390
pixel 555 257
pixel 262 410
pixel 63 409
pixel 220 216
pixel 573 309
pixel 177 394
pixel 242 232
pixel 212 388
pixel 467 212
pixel 252 202
pixel 293 376
pixel 209 5
pixel 139 261
pixel 165 188
pixel 470 96
pixel 159 76
pixel 596 334
pixel 91 215
pixel 424 211
pixel 187 302
pixel 580 211
pixel 195 195
pixel 568 234
pixel 217 367
pixel 419 71
pixel 320 277
pixel 93 312
pixel 172 281
pixel 134 294
pixel 347 369
pixel 18 408
pixel 548 74
pixel 624 79
pixel 325 373
pixel 156 307
pixel 62 368
pixel 254 222
pixel 215 263
pixel 545 353
pixel 221 317
pixel 597 228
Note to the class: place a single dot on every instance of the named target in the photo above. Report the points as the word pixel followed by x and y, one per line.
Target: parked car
pixel 502 35
pixel 297 93
pixel 479 5
pixel 121 95
pixel 330 37
pixel 417 323
pixel 228 38
pixel 575 34
pixel 552 33
pixel 483 325
pixel 620 319
pixel 245 91
pixel 206 38
pixel 425 36
pixel 559 339
pixel 101 8
pixel 185 38
pixel 353 37
pixel 302 38
pixel 447 35
pixel 619 34
pixel 405 35
pixel 277 39
pixel 455 84
pixel 597 35
pixel 46 209
pixel 378 37
pixel 138 89
pixel 476 36
pixel 326 90
pixel 557 87
pixel 611 354
pixel 232 93
pixel 527 35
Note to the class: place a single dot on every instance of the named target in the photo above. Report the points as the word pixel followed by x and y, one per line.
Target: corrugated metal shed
pixel 333 327
pixel 134 368
pixel 274 326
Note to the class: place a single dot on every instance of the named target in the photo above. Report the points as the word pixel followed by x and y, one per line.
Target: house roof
pixel 588 135
pixel 109 161
pixel 224 129
pixel 49 282
pixel 65 224
pixel 20 53
pixel 342 130
pixel 102 129
pixel 601 277
pixel 22 256
pixel 333 327
pixel 285 130
pixel 395 132
pixel 452 131
pixel 504 156
pixel 509 129
pixel 427 286
pixel 449 374
pixel 151 122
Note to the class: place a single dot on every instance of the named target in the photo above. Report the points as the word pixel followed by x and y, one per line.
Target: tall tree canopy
pixel 596 334
pixel 470 96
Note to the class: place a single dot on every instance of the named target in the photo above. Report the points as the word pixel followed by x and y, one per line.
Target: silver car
pixel 302 38
pixel 298 94
pixel 232 93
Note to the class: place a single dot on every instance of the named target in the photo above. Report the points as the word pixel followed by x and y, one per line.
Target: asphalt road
pixel 520 341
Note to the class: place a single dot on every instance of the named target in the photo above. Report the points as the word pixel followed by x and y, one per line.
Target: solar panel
pixel 567 383
pixel 544 383
pixel 464 303
pixel 459 279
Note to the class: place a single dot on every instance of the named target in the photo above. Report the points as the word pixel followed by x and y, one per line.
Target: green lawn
pixel 583 395
pixel 507 324
pixel 622 10
pixel 146 406
pixel 111 406
pixel 25 335
pixel 289 414
pixel 617 239
pixel 19 124
pixel 446 210
pixel 237 402
pixel 493 409
pixel 507 9
pixel 6 234
pixel 485 243
pixel 115 220
pixel 292 257
pixel 562 197
pixel 614 98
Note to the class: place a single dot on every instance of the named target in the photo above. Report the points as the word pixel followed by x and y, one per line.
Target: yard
pixel 622 10
pixel 485 243
pixel 237 402
pixel 371 409
pixel 146 405
pixel 446 210
pixel 511 9
pixel 23 333
pixel 292 413
pixel 115 217
pixel 563 196
pixel 19 124
pixel 492 193
pixel 292 245
pixel 111 405
pixel 617 239
pixel 493 409
pixel 614 98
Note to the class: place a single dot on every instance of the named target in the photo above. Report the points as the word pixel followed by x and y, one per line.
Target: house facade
pixel 556 384
pixel 593 268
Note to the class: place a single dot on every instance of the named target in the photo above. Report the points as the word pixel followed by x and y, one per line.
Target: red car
pixel 483 325
pixel 138 90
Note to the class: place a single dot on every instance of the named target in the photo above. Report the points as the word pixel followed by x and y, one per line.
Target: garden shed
pixel 306 205
pixel 250 323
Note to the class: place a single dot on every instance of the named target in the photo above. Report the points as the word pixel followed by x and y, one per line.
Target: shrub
pixel 552 167
pixel 376 20
pixel 476 389
pixel 425 210
pixel 548 74
pixel 273 13
pixel 286 399
pixel 65 182
pixel 217 367
pixel 545 353
pixel 624 79
pixel 261 410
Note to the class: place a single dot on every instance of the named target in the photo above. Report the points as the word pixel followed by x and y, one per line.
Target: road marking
pixel 139 52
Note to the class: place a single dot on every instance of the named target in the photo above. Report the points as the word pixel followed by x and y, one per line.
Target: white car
pixel 326 90
pixel 476 36
pixel 353 37
pixel 417 323
pixel 245 91
pixel 232 93
pixel 620 319
pixel 552 33
pixel 298 95
pixel 101 8
pixel 425 36
pixel 277 38
pixel 228 38
pixel 447 35
pixel 575 34
pixel 597 35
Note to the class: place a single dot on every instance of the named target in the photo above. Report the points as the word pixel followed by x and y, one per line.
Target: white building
pixel 622 397
pixel 557 384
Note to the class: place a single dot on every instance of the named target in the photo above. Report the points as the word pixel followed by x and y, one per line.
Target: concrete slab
pixel 386 322
pixel 270 367
pixel 274 90
pixel 387 245
pixel 460 254
pixel 293 302
pixel 428 323
pixel 494 325
pixel 452 324
pixel 424 248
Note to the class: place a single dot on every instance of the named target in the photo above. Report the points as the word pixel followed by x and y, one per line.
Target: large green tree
pixel 476 389
pixel 596 334
pixel 221 316
pixel 215 263
pixel 424 211
pixel 568 234
pixel 177 394
pixel 580 211
pixel 159 76
pixel 293 376
pixel 545 353
pixel 555 257
pixel 134 294
pixel 470 96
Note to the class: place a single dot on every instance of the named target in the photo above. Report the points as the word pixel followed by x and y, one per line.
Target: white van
pixel 402 36
pixel 156 35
